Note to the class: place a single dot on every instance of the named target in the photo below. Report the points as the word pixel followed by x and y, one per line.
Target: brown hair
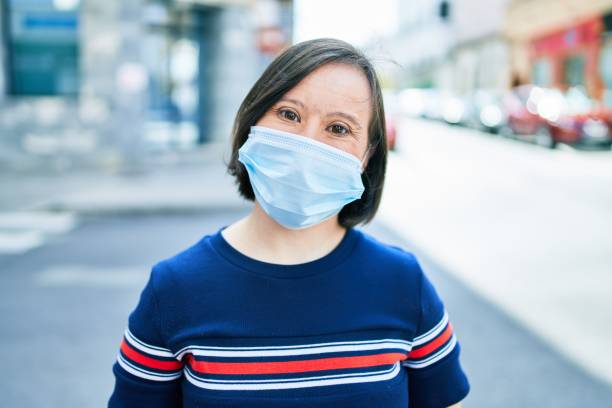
pixel 285 72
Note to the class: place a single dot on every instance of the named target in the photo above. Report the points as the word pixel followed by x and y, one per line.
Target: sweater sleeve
pixel 436 378
pixel 146 372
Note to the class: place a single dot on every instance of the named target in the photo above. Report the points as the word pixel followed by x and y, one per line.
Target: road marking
pixel 18 242
pixel 91 276
pixel 38 220
pixel 21 231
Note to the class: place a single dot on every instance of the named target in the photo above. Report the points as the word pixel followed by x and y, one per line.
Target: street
pixel 122 130
pixel 527 228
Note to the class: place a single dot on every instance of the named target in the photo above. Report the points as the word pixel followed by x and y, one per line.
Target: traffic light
pixel 444 10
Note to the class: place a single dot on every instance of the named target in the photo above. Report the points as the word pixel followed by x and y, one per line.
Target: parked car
pixel 452 108
pixel 392 110
pixel 391 131
pixel 420 103
pixel 484 111
pixel 550 116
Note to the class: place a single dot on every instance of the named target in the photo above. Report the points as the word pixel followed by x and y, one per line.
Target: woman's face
pixel 330 105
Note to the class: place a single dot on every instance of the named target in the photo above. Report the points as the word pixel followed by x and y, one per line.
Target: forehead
pixel 335 87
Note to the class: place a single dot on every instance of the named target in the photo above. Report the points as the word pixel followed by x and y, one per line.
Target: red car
pixel 391 132
pixel 550 117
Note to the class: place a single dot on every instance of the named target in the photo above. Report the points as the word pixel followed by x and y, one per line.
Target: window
pixel 42 47
pixel 541 73
pixel 573 70
pixel 605 69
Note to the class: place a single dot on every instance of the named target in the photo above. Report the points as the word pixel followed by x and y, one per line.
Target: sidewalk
pixel 170 181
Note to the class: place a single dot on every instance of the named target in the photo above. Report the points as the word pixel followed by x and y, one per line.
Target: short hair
pixel 284 73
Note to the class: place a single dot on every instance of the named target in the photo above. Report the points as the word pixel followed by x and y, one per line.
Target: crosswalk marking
pixel 21 231
pixel 17 242
pixel 92 276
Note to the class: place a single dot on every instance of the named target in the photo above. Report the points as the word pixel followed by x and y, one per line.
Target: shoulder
pixel 181 267
pixel 377 249
pixel 397 262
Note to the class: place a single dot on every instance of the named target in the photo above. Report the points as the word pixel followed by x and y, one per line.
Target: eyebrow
pixel 345 115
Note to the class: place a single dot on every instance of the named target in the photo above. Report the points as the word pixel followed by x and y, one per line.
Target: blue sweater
pixel 360 327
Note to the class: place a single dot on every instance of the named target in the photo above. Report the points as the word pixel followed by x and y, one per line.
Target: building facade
pixel 422 44
pixel 562 44
pixel 92 76
pixel 480 55
pixel 454 46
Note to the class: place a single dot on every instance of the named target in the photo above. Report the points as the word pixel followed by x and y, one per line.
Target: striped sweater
pixel 360 327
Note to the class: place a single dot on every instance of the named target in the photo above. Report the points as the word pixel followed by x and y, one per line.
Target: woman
pixel 292 306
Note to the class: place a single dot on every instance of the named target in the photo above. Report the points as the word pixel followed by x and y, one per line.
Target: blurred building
pixel 562 44
pixel 455 45
pixel 100 75
pixel 423 43
pixel 480 55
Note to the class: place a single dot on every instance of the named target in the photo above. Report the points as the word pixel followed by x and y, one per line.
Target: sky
pixel 352 21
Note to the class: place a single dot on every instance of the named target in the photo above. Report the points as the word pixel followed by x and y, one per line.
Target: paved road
pixel 526 227
pixel 65 305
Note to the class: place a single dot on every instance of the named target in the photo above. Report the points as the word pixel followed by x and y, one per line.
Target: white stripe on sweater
pixel 147 348
pixel 290 383
pixel 295 350
pixel 440 354
pixel 139 372
pixel 269 380
pixel 428 336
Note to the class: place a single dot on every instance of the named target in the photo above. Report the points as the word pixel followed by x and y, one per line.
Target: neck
pixel 260 237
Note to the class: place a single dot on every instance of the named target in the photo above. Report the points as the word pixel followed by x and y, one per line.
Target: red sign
pixel 585 33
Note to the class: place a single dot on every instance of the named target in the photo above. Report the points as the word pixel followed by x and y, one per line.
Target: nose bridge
pixel 312 128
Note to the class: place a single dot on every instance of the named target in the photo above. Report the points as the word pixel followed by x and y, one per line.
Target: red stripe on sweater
pixel 148 361
pixel 282 367
pixel 432 345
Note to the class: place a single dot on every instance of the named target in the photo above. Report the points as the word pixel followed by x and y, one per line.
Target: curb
pixel 147 211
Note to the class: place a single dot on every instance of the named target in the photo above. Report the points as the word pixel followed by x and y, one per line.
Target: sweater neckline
pixel 314 267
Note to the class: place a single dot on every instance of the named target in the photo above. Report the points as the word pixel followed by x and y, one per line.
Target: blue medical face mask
pixel 299 181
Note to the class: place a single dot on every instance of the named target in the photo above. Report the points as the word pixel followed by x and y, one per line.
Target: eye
pixel 339 129
pixel 288 114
